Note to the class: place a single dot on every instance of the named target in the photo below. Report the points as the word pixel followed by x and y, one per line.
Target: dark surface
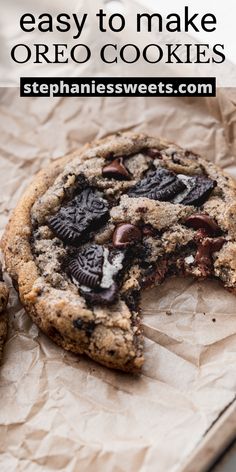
pixel 227 461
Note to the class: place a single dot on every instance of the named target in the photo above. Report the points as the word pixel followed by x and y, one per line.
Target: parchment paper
pixel 62 412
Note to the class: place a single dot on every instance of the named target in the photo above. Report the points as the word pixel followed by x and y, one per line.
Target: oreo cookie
pixel 94 268
pixel 160 185
pixel 199 189
pixel 102 296
pixel 87 266
pixel 86 211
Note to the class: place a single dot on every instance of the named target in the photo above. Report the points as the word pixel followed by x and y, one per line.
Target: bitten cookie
pixel 100 225
pixel 4 293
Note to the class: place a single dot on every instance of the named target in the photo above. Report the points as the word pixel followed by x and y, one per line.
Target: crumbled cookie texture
pixel 159 215
pixel 225 264
pixel 177 237
pixel 144 209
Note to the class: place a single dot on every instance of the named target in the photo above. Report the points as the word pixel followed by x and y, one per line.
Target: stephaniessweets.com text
pixel 111 86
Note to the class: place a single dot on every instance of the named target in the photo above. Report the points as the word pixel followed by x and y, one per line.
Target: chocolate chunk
pixel 206 248
pixel 176 158
pixel 125 235
pixel 148 230
pixel 105 296
pixel 199 189
pixel 205 222
pixel 87 326
pixel 116 170
pixel 160 185
pixel 132 298
pixel 86 211
pixel 154 153
pixel 87 266
pixel 155 275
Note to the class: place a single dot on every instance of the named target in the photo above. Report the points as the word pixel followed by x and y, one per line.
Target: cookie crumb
pixel 214 320
pixel 168 312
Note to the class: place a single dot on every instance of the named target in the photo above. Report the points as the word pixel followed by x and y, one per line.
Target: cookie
pixel 4 293
pixel 99 226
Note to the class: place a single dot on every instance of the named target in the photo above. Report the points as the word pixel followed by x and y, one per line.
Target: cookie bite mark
pixel 205 250
pixel 225 265
pixel 4 295
pixel 114 218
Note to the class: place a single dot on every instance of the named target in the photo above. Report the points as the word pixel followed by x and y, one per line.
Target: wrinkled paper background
pixel 62 412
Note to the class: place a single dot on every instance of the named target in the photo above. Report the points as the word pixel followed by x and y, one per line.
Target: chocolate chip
pixel 154 153
pixel 155 274
pixel 87 326
pixel 87 266
pixel 111 352
pixel 177 159
pixel 199 190
pixel 116 170
pixel 132 298
pixel 160 185
pixel 86 211
pixel 126 235
pixel 206 248
pixel 148 230
pixel 168 312
pixel 205 222
pixel 106 296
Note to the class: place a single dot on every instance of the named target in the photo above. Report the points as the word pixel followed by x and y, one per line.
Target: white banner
pixel 94 38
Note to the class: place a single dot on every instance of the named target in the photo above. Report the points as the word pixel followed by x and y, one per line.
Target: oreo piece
pixel 105 296
pixel 87 266
pixel 160 185
pixel 198 190
pixel 95 269
pixel 86 211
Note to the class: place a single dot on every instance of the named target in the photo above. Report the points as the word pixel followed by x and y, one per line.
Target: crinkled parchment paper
pixel 62 412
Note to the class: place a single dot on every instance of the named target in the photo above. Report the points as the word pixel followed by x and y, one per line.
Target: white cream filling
pixel 186 179
pixel 189 260
pixel 82 287
pixel 110 270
